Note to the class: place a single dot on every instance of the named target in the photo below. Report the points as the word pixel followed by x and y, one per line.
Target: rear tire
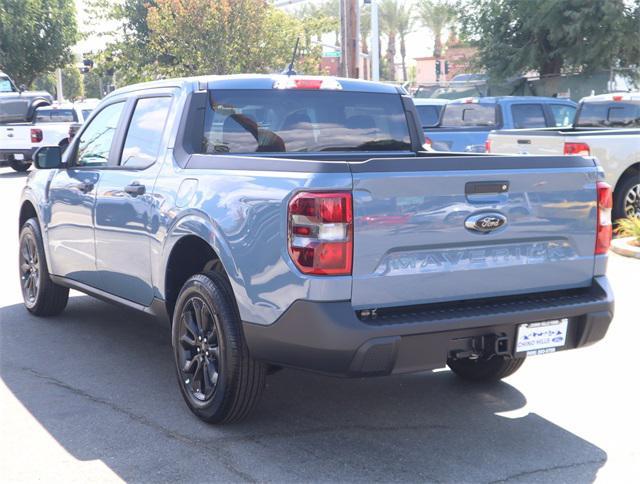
pixel 20 166
pixel 41 295
pixel 626 199
pixel 219 381
pixel 482 369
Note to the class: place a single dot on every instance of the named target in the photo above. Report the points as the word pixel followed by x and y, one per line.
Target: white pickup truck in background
pixel 607 126
pixel 50 127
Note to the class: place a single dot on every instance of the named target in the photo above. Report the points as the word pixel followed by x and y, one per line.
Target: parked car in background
pixel 50 126
pixel 297 221
pixel 607 126
pixel 465 123
pixel 429 110
pixel 17 105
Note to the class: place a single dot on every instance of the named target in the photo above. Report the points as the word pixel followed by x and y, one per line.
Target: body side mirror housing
pixel 48 157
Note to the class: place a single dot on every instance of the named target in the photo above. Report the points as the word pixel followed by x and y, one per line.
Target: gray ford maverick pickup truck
pixel 297 221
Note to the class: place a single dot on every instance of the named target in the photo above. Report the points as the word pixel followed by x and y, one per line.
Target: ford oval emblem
pixel 485 222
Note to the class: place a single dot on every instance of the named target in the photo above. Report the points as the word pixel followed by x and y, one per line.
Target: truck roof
pixel 613 96
pixel 260 81
pixel 498 99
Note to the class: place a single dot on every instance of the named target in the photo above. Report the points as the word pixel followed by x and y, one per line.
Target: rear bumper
pixel 330 337
pixel 7 155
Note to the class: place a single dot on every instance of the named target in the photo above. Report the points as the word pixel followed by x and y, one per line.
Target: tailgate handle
pixel 524 141
pixel 477 188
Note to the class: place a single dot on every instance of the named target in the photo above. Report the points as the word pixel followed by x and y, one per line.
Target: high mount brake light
pixel 617 98
pixel 320 232
pixel 577 149
pixel 306 83
pixel 604 226
pixel 487 146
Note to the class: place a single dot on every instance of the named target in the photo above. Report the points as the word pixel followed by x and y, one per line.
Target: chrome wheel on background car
pixel 29 270
pixel 632 201
pixel 198 349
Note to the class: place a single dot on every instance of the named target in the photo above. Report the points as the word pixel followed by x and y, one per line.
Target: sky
pixel 419 42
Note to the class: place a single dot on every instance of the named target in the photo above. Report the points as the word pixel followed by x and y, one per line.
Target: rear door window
pixel 528 116
pixel 562 115
pixel 468 115
pixel 144 135
pixel 429 115
pixel 609 115
pixel 276 121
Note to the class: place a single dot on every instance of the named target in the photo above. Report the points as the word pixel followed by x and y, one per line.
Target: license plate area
pixel 541 337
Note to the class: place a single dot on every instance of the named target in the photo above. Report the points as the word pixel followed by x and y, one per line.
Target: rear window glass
pixel 49 115
pixel 247 121
pixel 528 116
pixel 469 115
pixel 609 115
pixel 429 115
pixel 562 115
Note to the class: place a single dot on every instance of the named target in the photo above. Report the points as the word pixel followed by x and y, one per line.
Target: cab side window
pixel 95 142
pixel 144 135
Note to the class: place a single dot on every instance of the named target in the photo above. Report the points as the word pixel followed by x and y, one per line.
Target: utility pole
pixel 59 95
pixel 375 42
pixel 350 34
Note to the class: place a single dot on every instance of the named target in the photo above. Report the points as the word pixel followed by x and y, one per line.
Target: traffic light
pixel 446 67
pixel 437 68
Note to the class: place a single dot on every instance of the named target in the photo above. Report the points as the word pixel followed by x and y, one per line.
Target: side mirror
pixel 22 88
pixel 48 157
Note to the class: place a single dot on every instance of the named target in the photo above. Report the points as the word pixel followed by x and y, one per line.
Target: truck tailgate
pixel 417 221
pixel 526 143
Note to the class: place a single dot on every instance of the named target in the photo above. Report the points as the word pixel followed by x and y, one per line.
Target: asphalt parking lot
pixel 91 395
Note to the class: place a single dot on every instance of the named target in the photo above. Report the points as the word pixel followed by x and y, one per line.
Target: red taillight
pixel 427 142
pixel 321 232
pixel 604 226
pixel 487 146
pixel 36 135
pixel 577 149
pixel 617 98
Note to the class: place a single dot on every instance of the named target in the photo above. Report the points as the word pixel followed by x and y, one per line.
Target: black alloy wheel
pixel 199 349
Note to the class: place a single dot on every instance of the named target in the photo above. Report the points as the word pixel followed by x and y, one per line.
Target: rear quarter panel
pixel 242 214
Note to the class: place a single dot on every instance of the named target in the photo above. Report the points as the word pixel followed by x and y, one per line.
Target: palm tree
pixel 393 22
pixel 436 15
pixel 405 26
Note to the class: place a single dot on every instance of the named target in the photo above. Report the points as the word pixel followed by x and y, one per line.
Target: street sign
pixel 332 54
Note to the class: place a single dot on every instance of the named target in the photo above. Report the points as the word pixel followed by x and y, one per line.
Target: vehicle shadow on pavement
pixel 14 174
pixel 100 380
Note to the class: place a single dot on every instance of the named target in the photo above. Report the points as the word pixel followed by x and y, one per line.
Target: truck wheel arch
pixel 192 246
pixel 27 211
pixel 633 170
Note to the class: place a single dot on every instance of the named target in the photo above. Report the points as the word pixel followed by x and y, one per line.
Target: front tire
pixel 485 370
pixel 41 295
pixel 218 379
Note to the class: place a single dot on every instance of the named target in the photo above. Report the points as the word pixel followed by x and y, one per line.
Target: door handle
pixel 135 189
pixel 85 187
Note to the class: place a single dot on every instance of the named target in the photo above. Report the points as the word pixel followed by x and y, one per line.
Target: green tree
pixel 92 84
pixel 36 36
pixel 194 37
pixel 45 82
pixel 72 85
pixel 437 16
pixel 552 36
